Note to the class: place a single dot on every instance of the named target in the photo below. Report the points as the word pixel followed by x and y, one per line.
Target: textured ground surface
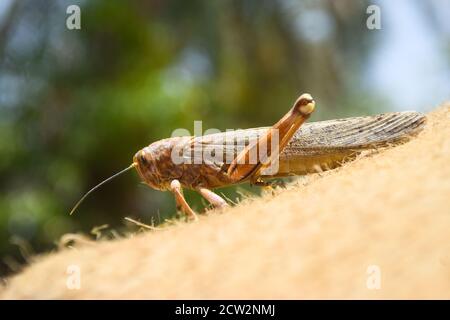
pixel 387 213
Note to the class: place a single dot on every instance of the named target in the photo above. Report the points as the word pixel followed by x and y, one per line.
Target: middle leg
pixel 213 198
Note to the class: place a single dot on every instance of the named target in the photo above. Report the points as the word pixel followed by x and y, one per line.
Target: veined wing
pixel 322 145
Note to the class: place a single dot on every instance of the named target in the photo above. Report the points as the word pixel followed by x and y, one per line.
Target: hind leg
pixel 241 168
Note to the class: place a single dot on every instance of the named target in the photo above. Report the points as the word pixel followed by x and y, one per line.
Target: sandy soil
pixel 378 227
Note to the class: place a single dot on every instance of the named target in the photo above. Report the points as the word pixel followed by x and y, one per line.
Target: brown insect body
pixel 316 146
pixel 157 168
pixel 217 160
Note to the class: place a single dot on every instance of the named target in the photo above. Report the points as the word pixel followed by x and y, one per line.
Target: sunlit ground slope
pixel 330 236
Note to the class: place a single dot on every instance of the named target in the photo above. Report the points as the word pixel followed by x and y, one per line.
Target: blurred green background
pixel 75 105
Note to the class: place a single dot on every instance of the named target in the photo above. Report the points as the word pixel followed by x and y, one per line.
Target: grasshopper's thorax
pixel 157 166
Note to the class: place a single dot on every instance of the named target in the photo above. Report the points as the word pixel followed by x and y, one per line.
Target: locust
pixel 291 146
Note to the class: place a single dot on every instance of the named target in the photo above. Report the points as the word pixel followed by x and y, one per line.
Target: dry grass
pixel 314 240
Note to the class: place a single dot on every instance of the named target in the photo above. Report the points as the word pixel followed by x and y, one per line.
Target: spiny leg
pixel 241 168
pixel 260 183
pixel 268 186
pixel 213 198
pixel 182 204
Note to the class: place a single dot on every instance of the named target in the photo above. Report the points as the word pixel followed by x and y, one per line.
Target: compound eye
pixel 143 159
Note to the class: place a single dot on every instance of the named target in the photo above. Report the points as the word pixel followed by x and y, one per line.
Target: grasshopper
pixel 297 149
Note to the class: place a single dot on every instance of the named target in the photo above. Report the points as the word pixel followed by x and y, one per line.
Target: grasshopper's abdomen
pixel 324 145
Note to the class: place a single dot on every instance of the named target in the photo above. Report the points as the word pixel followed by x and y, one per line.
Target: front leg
pixel 241 168
pixel 182 204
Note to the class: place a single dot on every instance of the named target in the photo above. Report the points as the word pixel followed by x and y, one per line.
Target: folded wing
pixel 322 145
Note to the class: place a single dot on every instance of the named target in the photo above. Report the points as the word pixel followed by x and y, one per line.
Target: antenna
pixel 99 185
